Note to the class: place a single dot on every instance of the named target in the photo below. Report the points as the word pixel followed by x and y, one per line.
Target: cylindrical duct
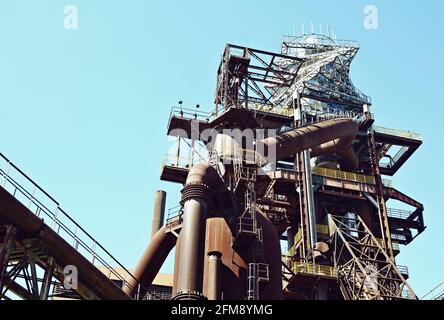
pixel 189 280
pixel 310 199
pixel 158 212
pixel 151 261
pixel 202 180
pixel 214 275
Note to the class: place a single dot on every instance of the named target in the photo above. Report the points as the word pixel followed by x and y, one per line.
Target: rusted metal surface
pixel 325 137
pixel 158 211
pixel 219 239
pixel 201 182
pixel 151 261
pixel 64 254
pixel 214 291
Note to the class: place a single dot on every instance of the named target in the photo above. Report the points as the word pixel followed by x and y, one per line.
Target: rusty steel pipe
pixel 189 278
pixel 350 158
pixel 202 180
pixel 152 260
pixel 336 135
pixel 158 211
pixel 214 276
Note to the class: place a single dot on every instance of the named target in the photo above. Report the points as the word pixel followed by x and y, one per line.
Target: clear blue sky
pixel 84 112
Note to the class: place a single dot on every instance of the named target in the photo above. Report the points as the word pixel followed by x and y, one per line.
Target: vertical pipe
pixel 214 287
pixel 189 281
pixel 310 199
pixel 158 212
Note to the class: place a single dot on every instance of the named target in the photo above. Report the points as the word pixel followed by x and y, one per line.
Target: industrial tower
pixel 325 192
pixel 285 196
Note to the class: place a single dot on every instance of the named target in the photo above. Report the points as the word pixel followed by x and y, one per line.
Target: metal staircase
pixel 248 232
pixel 365 270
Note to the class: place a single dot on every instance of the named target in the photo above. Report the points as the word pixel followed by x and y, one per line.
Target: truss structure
pixel 365 271
pixel 314 66
pixel 250 77
pixel 22 263
pixel 324 75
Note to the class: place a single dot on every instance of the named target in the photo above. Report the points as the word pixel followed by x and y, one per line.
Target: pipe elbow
pixel 204 174
pixel 151 261
pixel 201 173
pixel 350 158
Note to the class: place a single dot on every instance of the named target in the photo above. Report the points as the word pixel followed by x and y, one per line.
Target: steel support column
pixel 44 291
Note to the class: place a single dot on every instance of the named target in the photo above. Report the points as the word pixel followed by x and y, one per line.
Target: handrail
pixel 349 176
pixel 309 268
pixel 398 213
pixel 171 159
pixel 398 133
pixel 70 234
pixel 432 293
pixel 342 175
pixel 394 159
pixel 191 113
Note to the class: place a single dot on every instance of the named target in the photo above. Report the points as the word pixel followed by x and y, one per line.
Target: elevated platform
pixel 33 236
pixel 405 144
pixel 351 185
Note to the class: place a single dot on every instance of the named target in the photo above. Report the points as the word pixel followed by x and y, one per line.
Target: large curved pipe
pixel 330 136
pixel 326 137
pixel 151 261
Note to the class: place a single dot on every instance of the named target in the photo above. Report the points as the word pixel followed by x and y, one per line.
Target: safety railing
pixel 398 213
pixel 297 239
pixel 404 270
pixel 349 176
pixel 174 217
pixel 437 293
pixel 312 269
pixel 271 109
pixel 320 40
pixel 320 228
pixel 246 155
pixel 398 133
pixel 45 207
pixel 158 295
pixel 191 114
pixel 393 160
pixel 342 175
pixel 395 245
pixel 324 111
pixel 172 160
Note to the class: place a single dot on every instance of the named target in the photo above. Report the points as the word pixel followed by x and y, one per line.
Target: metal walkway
pixel 38 240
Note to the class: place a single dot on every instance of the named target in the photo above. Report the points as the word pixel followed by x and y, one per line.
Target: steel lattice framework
pixel 315 67
pixel 365 271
